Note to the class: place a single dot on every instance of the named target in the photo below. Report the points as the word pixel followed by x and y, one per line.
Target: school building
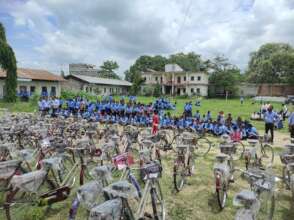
pixel 32 81
pixel 175 81
pixel 83 77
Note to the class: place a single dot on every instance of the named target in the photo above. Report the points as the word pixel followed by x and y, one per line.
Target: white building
pixel 175 81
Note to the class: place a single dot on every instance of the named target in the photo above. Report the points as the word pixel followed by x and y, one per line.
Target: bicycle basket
pixel 109 210
pixel 122 189
pixel 8 168
pixel 101 173
pixel 151 170
pixel 290 167
pixel 88 194
pixel 123 160
pixel 290 148
pixel 223 168
pixel 28 182
pixel 227 148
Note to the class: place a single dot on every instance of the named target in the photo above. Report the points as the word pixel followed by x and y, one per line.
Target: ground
pixel 197 201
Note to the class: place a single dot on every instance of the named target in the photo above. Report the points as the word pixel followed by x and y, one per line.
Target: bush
pixel 147 90
pixel 68 94
pixel 157 90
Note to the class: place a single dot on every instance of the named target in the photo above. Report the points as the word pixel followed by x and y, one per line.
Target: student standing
pixel 155 122
pixel 269 119
pixel 291 124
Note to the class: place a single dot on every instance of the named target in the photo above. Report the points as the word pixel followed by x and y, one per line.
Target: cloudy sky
pixel 50 34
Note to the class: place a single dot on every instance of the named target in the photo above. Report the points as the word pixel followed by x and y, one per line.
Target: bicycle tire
pixel 179 176
pixel 134 182
pixel 221 193
pixel 240 149
pixel 157 204
pixel 267 154
pixel 204 146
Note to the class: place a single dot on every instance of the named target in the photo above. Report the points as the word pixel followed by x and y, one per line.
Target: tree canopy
pixel 272 63
pixel 224 76
pixel 107 69
pixel 8 64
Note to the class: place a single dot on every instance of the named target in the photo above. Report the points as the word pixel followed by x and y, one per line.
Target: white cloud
pixel 93 31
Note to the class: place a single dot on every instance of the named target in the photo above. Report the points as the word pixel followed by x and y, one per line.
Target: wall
pixel 37 84
pixel 76 86
pixel 1 88
pixel 250 89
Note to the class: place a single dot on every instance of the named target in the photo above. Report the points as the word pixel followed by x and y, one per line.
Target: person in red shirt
pixel 155 122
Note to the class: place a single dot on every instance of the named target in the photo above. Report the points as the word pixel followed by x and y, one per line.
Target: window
pixel 198 91
pixel 192 78
pixel 199 78
pixel 22 89
pixel 179 79
pixel 53 91
pixel 32 89
pixel 144 78
pixel 104 90
pixel 161 79
pixel 192 90
pixel 184 90
pixel 184 78
pixel 156 78
pixel 44 91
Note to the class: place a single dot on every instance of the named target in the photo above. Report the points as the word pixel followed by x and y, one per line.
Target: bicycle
pixel 287 159
pixel 258 157
pixel 40 187
pixel 259 201
pixel 184 163
pixel 91 194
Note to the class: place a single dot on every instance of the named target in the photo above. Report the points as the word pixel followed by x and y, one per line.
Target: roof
pixel 98 80
pixel 34 74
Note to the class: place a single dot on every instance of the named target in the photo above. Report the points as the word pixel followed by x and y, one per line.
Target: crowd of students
pixel 127 111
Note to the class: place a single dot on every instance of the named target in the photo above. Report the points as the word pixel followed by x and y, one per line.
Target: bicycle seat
pixel 26 154
pixel 108 210
pixel 101 173
pixel 28 182
pixel 115 138
pixel 290 148
pixel 147 143
pixel 244 197
pixel 7 168
pixel 122 189
pixel 252 142
pixel 88 194
pixel 290 167
pixel 221 157
pixel 53 162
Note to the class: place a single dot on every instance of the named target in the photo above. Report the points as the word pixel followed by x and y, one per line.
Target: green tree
pixel 271 63
pixel 136 83
pixel 157 90
pixel 107 69
pixel 8 64
pixel 225 76
pixel 189 61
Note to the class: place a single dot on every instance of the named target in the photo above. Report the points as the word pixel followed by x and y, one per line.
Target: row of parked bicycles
pixel 114 172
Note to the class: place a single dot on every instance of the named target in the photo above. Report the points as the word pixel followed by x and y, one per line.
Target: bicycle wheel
pixel 240 149
pixel 191 165
pixel 158 206
pixel 286 177
pixel 204 146
pixel 179 175
pixel 267 207
pixel 221 192
pixel 267 155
